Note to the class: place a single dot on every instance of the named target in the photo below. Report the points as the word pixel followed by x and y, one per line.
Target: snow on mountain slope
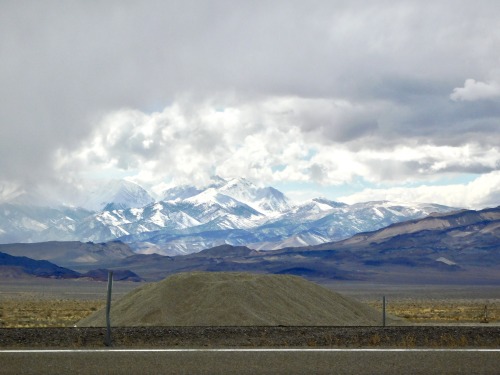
pixel 206 211
pixel 114 194
pixel 310 224
pixel 266 200
pixel 321 221
pixel 315 209
pixel 212 205
pixel 233 211
pixel 23 223
pixel 183 192
pixel 180 193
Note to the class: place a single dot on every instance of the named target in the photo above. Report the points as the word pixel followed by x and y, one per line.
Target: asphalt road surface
pixel 251 361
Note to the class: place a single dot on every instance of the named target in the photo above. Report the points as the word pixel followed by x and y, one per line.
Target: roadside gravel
pixel 251 336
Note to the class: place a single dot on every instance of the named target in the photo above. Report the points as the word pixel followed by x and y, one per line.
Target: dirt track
pixel 413 336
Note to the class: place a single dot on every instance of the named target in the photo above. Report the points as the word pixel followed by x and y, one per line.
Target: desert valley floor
pixel 37 302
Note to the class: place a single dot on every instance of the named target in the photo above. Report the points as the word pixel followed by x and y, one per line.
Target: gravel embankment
pixel 426 336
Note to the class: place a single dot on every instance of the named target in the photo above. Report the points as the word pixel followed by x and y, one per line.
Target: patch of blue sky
pixel 305 190
pixel 458 179
pixel 311 152
pixel 157 106
pixel 442 180
pixel 278 168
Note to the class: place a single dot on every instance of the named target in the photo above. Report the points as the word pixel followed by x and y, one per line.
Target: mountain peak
pixel 115 194
pixel 328 202
pixel 267 200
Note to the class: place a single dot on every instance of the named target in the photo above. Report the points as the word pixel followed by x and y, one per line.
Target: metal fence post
pixel 108 309
pixel 383 311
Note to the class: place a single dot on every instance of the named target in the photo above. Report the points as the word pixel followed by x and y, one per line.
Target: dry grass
pixel 444 311
pixel 50 303
pixel 64 313
pixel 45 313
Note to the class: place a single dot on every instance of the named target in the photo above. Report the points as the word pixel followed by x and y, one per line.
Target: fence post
pixel 485 316
pixel 108 309
pixel 383 311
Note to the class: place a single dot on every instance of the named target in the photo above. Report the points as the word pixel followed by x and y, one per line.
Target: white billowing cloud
pixel 476 90
pixel 276 139
pixel 482 192
pixel 189 144
pixel 273 140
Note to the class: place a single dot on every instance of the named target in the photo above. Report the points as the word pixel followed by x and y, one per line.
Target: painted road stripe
pixel 252 350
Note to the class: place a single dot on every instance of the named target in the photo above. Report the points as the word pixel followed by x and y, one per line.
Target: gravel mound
pixel 234 299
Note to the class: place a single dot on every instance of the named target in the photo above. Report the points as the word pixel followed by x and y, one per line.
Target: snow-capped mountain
pixel 30 223
pixel 112 195
pixel 266 200
pixel 182 192
pixel 190 219
pixel 321 220
pixel 311 223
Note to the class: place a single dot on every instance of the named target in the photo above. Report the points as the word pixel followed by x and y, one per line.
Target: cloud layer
pixel 474 90
pixel 327 92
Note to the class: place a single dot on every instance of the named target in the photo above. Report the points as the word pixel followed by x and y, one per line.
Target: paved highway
pixel 251 361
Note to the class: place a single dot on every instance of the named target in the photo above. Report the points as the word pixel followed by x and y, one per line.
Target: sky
pixel 349 100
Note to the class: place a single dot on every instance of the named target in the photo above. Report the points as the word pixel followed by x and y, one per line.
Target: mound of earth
pixel 234 299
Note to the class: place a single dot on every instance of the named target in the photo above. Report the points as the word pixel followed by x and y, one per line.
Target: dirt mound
pixel 234 299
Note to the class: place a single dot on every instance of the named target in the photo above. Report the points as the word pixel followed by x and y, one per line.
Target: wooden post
pixel 383 311
pixel 108 309
pixel 485 316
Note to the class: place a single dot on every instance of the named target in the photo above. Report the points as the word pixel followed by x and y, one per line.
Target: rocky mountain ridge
pixel 190 219
pixel 21 267
pixel 460 247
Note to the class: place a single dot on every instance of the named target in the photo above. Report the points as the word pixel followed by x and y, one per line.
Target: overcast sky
pixel 351 100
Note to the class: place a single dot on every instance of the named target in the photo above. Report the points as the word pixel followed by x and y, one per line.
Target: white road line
pixel 243 350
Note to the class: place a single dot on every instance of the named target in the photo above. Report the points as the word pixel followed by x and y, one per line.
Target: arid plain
pixel 37 302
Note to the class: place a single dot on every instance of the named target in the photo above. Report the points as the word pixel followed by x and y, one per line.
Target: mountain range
pixel 188 219
pixel 462 247
pixel 13 266
pixel 20 267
